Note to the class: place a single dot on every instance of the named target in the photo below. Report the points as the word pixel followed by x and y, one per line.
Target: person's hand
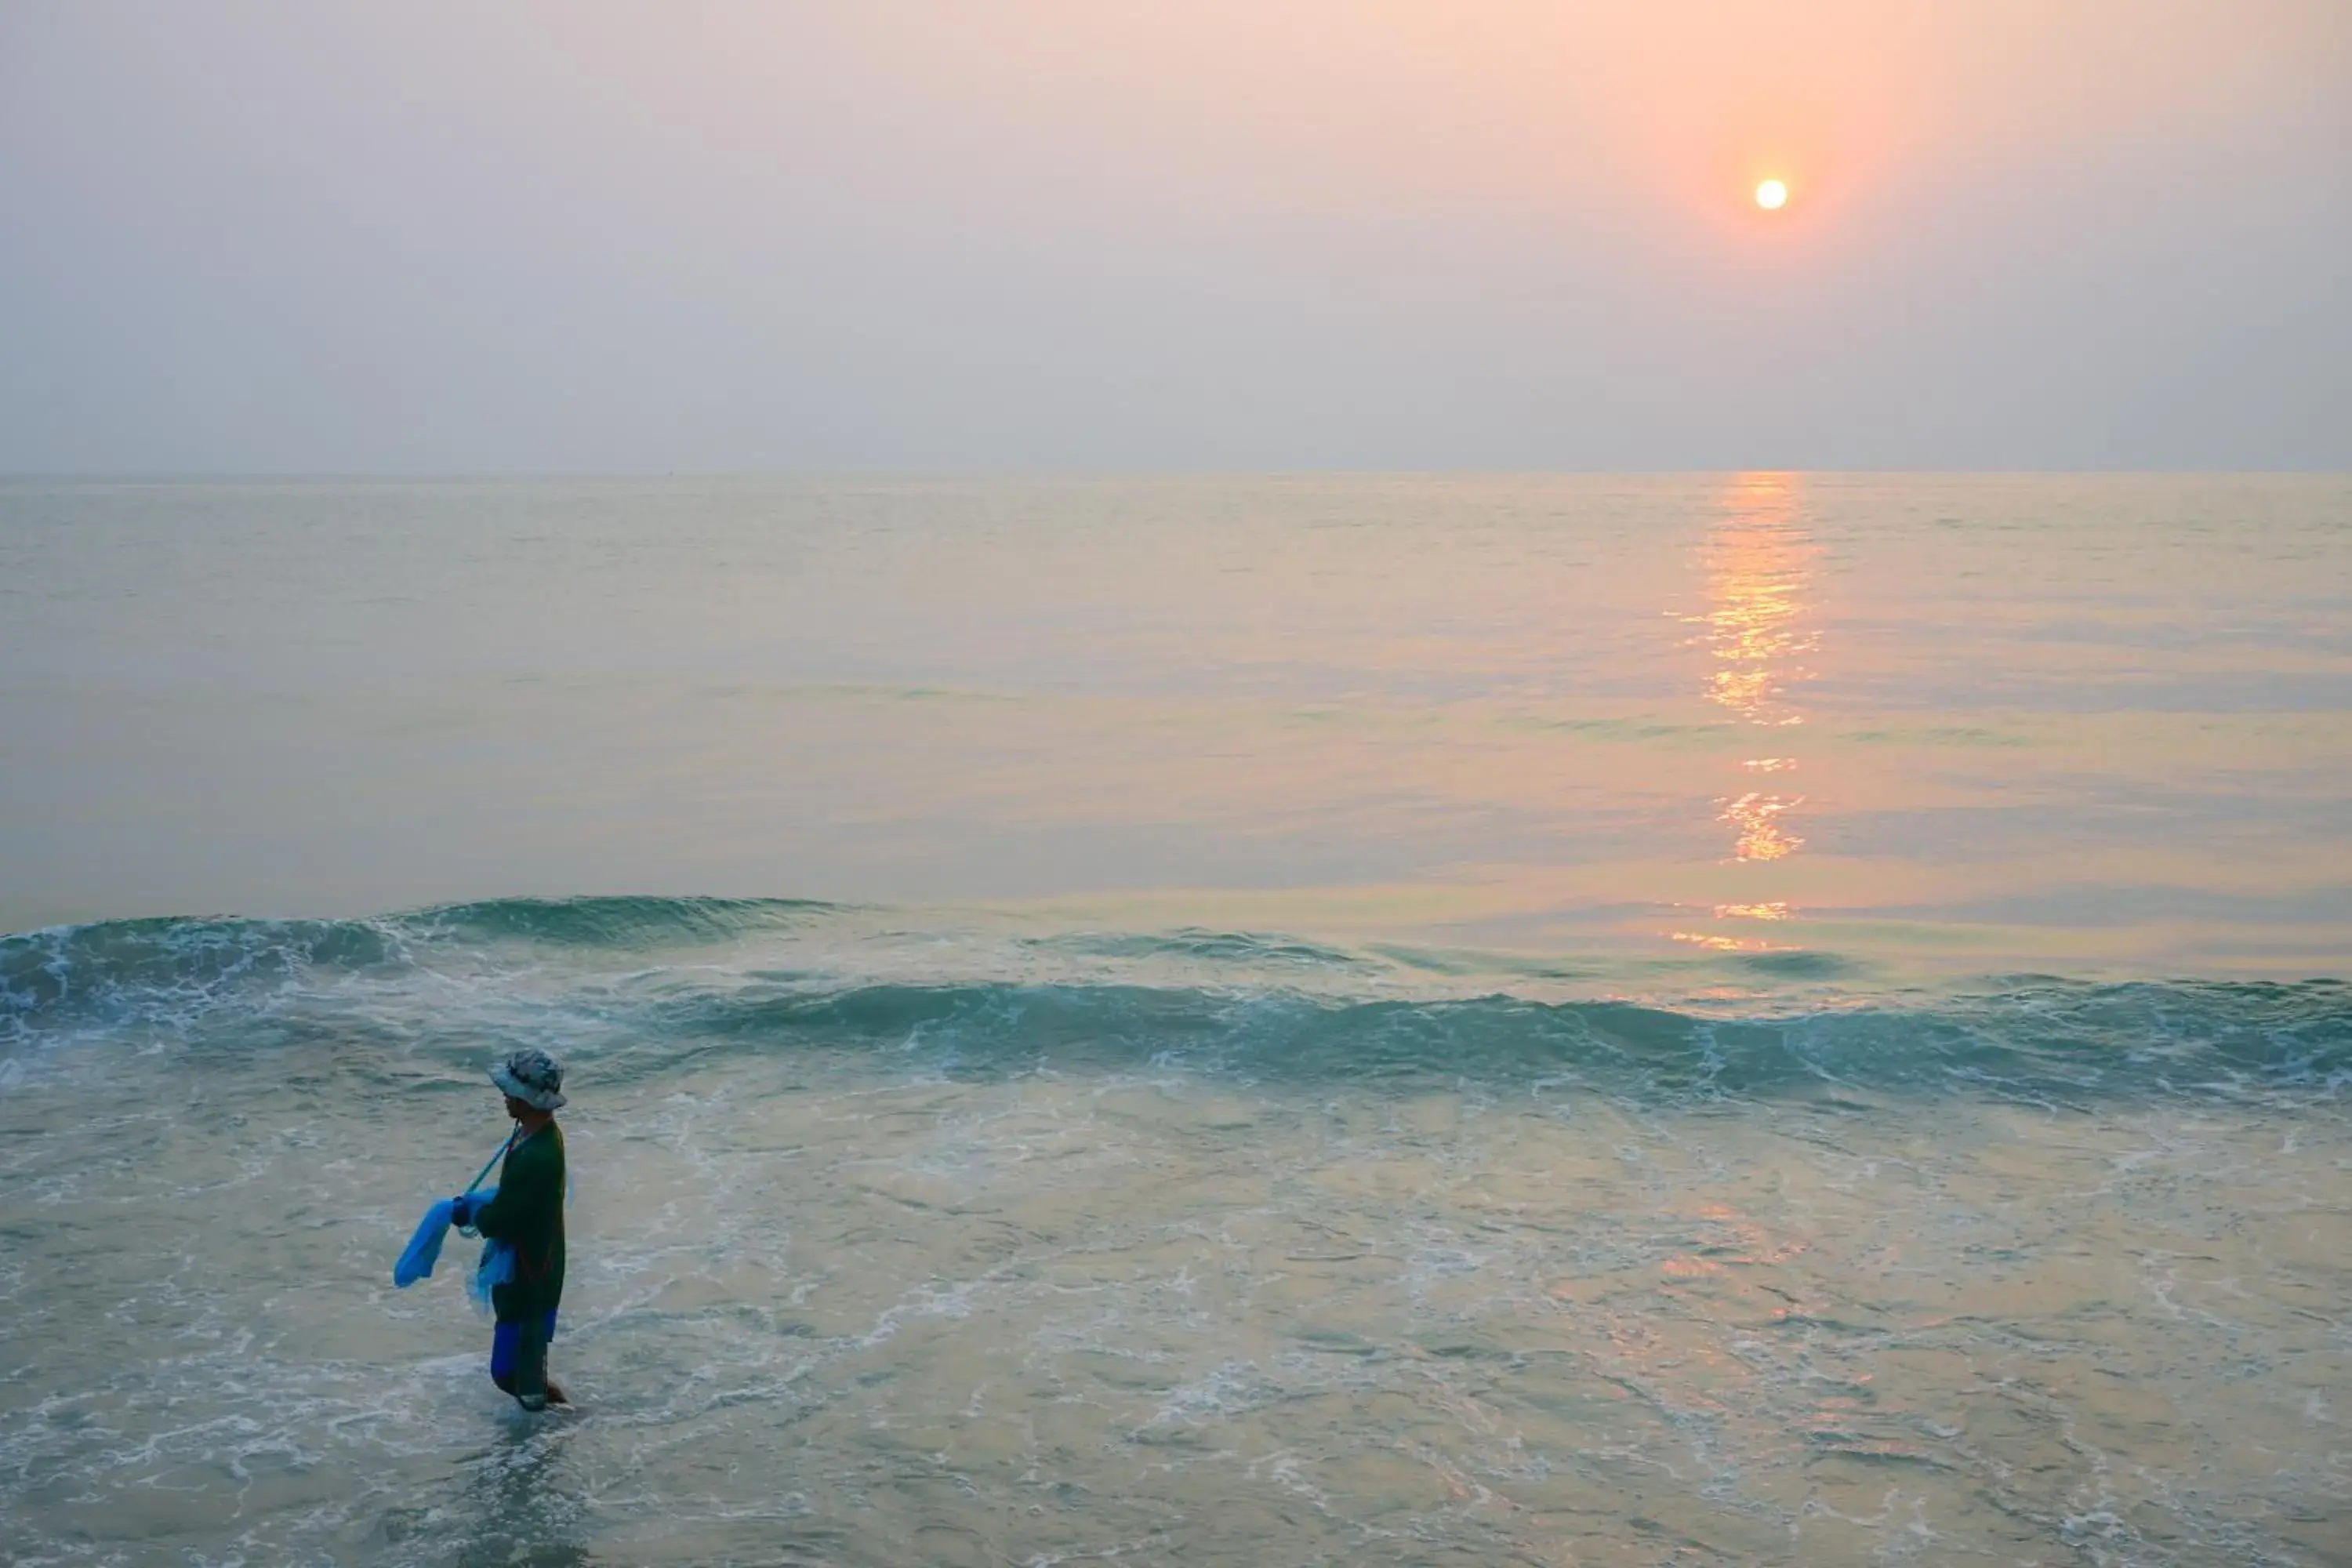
pixel 461 1210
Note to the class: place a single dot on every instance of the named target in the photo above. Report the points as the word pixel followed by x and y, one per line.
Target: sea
pixel 1293 1019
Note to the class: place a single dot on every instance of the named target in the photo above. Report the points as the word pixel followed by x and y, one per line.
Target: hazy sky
pixel 1246 233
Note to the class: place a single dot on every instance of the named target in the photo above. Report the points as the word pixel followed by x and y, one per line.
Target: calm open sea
pixel 1758 1018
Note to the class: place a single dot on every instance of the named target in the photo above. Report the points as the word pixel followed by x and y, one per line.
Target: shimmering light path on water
pixel 2067 724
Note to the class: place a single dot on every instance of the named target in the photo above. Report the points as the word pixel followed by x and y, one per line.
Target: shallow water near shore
pixel 1762 1019
pixel 1105 1265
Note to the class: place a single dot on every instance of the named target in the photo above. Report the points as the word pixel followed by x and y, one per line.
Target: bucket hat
pixel 532 1076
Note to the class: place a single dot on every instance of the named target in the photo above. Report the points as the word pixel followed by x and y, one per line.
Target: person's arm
pixel 527 1195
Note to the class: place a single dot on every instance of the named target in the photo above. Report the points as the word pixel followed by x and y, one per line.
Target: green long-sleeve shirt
pixel 527 1216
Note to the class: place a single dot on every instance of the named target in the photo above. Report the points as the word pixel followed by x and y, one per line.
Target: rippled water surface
pixel 1767 1019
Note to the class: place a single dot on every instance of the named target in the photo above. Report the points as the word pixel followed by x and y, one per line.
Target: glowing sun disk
pixel 1773 195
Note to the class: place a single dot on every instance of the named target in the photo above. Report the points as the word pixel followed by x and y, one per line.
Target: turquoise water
pixel 1756 1018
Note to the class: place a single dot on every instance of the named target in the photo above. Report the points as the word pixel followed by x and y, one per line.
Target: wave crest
pixel 2051 1042
pixel 487 976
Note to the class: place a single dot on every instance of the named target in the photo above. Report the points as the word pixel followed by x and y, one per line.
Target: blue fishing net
pixel 497 1268
pixel 423 1248
pixel 418 1260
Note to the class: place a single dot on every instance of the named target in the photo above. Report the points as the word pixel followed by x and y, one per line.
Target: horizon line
pixel 1077 472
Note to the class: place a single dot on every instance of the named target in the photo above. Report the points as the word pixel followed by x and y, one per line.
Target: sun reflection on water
pixel 1759 565
pixel 1757 560
pixel 1760 837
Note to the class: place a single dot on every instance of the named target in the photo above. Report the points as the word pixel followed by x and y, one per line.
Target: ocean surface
pixel 1717 1019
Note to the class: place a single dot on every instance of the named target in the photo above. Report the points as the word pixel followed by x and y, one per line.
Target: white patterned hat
pixel 532 1076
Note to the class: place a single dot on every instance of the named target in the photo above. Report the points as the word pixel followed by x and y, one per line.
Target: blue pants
pixel 519 1360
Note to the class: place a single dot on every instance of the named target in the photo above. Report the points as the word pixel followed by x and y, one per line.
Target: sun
pixel 1773 195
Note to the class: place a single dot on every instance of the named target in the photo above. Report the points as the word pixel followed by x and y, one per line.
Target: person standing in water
pixel 527 1213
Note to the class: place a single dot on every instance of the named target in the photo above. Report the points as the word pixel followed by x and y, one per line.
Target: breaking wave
pixel 636 982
